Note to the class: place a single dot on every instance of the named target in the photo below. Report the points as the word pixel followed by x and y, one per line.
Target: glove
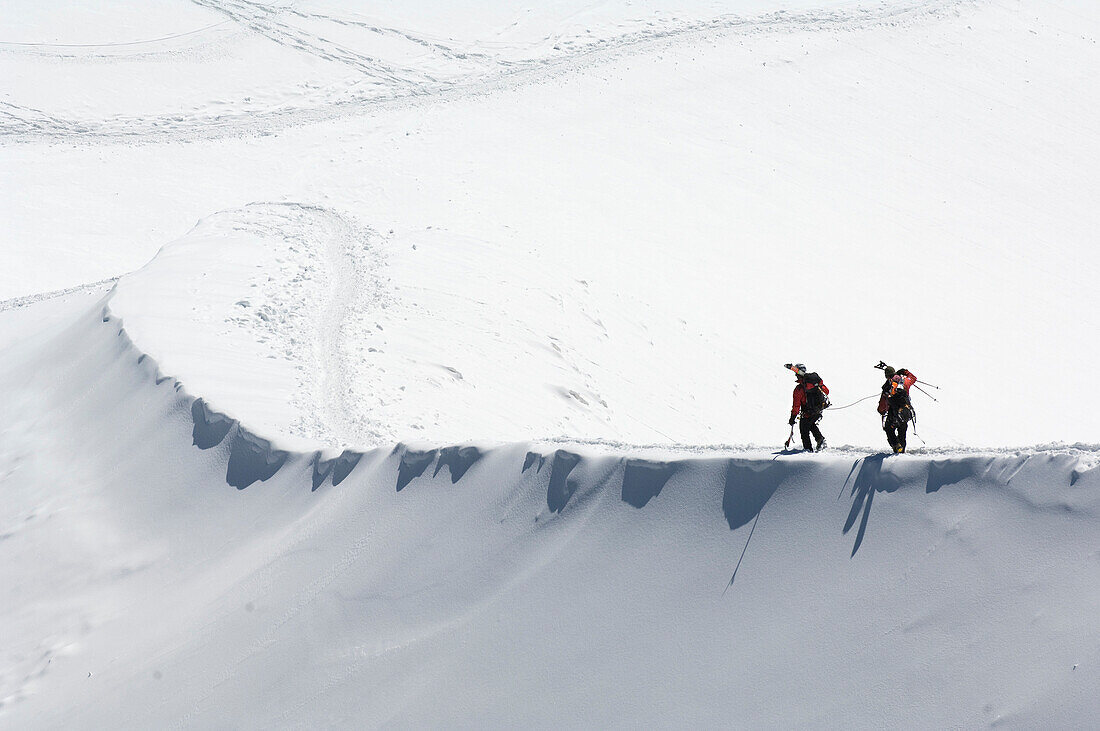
pixel 903 372
pixel 791 422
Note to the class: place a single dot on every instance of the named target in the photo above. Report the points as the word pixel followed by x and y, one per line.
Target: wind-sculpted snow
pixel 204 552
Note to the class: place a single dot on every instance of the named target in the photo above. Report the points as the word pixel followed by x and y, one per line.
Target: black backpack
pixel 816 399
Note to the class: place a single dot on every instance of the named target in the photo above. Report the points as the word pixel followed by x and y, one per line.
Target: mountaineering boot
pixel 821 445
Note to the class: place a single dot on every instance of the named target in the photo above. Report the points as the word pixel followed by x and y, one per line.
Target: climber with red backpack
pixel 895 407
pixel 810 399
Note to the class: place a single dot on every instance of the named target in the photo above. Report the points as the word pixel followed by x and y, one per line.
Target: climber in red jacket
pixel 810 399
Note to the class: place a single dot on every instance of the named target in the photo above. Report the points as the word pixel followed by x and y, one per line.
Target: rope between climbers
pixel 838 408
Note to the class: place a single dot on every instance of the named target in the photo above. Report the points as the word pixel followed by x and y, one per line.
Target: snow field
pixel 422 366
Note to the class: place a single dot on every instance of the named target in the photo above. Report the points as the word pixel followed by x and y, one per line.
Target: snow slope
pixel 367 367
pixel 517 585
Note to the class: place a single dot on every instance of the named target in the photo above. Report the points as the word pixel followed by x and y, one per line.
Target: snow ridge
pixel 646 468
pixel 196 504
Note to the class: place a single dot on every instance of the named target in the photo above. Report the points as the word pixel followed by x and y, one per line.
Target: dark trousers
pixel 807 425
pixel 895 428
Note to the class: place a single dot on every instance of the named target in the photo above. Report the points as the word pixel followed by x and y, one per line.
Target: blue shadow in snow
pixel 210 426
pixel 533 459
pixel 953 471
pixel 412 465
pixel 251 459
pixel 643 480
pixel 1089 475
pixel 457 460
pixel 561 488
pixel 749 487
pixel 339 467
pixel 869 479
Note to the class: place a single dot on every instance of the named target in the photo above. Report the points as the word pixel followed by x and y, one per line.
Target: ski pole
pixel 926 383
pixel 925 392
pixel 918 436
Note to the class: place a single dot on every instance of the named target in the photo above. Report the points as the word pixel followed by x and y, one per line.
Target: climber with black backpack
pixel 895 407
pixel 811 398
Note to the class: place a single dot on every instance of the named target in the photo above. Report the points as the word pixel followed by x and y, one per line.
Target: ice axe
pixel 882 366
pixel 787 444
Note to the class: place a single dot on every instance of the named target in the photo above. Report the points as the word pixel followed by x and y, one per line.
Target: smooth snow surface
pixel 421 366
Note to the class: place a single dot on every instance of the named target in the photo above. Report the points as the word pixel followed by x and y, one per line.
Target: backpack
pixel 816 399
pixel 898 398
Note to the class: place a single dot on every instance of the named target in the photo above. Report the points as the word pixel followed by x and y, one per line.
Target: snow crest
pixel 380 561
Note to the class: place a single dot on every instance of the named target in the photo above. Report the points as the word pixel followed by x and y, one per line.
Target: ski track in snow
pixel 381 86
pixel 355 287
pixel 329 276
pixel 264 20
